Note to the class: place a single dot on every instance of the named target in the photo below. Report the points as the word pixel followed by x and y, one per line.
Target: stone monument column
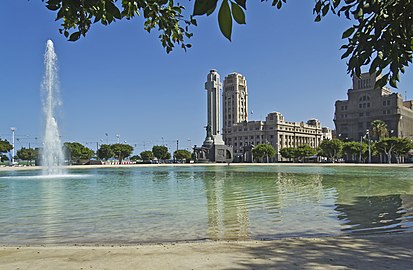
pixel 213 86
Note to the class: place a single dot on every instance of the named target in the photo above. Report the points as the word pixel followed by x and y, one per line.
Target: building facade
pixel 275 131
pixel 234 100
pixel 367 103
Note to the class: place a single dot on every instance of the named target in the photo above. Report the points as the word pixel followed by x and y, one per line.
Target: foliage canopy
pixel 263 150
pixel 381 36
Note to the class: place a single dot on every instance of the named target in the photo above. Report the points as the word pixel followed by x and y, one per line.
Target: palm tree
pixel 378 129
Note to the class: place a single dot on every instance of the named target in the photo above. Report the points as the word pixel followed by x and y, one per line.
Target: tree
pixel 28 154
pixel 77 151
pixel 381 36
pixel 5 146
pixel 378 129
pixel 147 155
pixel 289 152
pixel 354 150
pixel 161 152
pixel 3 158
pixel 105 152
pixel 135 158
pixel 331 149
pixel 387 146
pixel 263 150
pixel 305 151
pixel 121 151
pixel 403 147
pixel 182 155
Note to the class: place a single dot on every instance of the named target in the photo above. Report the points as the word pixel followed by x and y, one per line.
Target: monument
pixel 213 148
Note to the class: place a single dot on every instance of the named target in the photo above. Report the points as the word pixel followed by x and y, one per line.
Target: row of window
pixel 364 83
pixel 364 105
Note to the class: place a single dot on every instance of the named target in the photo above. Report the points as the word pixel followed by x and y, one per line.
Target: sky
pixel 118 80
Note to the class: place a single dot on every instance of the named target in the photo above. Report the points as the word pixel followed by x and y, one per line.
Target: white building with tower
pixel 243 135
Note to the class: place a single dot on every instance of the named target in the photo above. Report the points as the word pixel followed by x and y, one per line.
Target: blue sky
pixel 119 80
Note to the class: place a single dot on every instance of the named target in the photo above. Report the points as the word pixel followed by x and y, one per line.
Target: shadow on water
pixel 376 214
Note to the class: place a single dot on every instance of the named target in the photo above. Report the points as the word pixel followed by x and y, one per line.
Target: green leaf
pixel 238 13
pixel 209 12
pixel 318 18
pixel 113 10
pixel 393 82
pixel 348 32
pixel 202 7
pixel 325 9
pixel 225 20
pixel 75 36
pixel 242 3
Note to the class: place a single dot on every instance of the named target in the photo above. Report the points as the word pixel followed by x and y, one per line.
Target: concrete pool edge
pixel 386 251
pixel 402 165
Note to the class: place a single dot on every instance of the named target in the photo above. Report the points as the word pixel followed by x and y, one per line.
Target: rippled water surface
pixel 130 205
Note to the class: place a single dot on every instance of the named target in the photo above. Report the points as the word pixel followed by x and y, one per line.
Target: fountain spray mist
pixel 52 153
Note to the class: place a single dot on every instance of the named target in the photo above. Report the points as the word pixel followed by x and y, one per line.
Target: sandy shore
pixel 345 252
pixel 404 165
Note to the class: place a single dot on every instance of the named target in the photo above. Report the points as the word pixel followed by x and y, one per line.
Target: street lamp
pixel 118 136
pixel 12 143
pixel 368 137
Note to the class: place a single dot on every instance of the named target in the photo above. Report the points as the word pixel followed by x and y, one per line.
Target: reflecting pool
pixel 179 203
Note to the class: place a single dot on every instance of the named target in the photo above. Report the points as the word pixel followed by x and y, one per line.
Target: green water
pixel 157 204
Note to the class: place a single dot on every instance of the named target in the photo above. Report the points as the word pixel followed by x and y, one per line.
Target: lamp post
pixel 368 137
pixel 12 143
pixel 118 136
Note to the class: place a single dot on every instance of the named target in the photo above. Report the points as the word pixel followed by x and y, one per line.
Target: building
pixel 213 148
pixel 275 131
pixel 235 100
pixel 367 103
pixel 243 135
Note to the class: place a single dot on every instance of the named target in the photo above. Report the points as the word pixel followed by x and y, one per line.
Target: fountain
pixel 52 153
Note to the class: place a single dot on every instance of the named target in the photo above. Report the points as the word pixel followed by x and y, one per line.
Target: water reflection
pixel 375 213
pixel 192 203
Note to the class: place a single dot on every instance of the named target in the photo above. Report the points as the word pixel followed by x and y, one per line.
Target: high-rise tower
pixel 235 100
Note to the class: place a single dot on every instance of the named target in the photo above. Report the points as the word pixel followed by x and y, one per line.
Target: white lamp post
pixel 12 143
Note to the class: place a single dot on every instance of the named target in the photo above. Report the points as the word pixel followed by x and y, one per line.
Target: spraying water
pixel 52 154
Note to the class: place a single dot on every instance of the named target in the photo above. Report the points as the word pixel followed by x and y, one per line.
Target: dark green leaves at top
pixel 348 32
pixel 75 36
pixel 225 19
pixel 242 3
pixel 238 13
pixel 202 7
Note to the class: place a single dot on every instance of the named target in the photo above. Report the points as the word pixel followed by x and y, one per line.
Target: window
pixel 361 114
pixel 388 102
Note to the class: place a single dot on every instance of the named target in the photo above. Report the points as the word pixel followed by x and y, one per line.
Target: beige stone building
pixel 365 104
pixel 275 131
pixel 234 100
pixel 242 134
